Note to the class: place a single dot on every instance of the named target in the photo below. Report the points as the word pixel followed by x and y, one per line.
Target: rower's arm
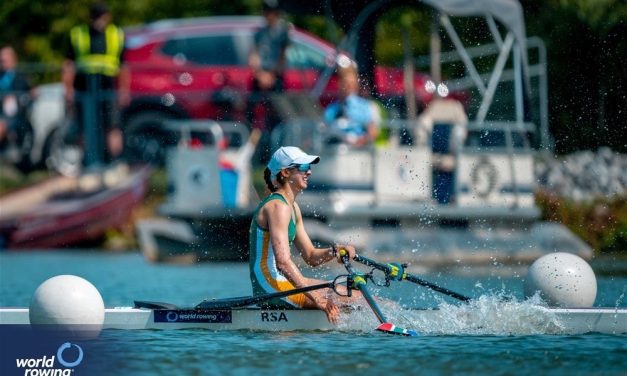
pixel 279 216
pixel 313 256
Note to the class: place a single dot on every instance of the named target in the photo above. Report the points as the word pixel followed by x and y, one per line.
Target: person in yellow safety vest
pixel 93 70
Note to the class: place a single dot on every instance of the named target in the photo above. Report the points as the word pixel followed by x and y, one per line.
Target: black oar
pixel 358 282
pixel 242 301
pixel 397 272
pixel 251 300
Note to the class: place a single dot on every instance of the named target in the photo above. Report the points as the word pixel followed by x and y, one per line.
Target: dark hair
pixel 98 10
pixel 267 177
pixel 270 5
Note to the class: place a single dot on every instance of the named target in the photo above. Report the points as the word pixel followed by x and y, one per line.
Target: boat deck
pixel 561 320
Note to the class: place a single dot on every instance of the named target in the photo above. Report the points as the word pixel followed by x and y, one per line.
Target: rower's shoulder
pixel 276 205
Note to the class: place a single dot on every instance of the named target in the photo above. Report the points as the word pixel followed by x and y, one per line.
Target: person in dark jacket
pixel 92 72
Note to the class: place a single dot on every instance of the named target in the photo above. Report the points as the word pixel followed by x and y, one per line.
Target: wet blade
pixel 390 328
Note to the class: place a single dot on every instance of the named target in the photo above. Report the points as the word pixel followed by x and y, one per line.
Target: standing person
pixel 91 73
pixel 267 57
pixel 15 97
pixel 276 225
pixel 352 119
pixel 267 61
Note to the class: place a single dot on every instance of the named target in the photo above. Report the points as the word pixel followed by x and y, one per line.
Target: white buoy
pixel 563 279
pixel 67 301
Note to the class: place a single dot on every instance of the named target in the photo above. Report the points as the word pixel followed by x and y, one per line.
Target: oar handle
pixel 397 271
pixel 345 257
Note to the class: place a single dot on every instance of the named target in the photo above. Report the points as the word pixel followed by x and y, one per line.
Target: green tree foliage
pixel 587 74
pixel 601 15
pixel 389 45
pixel 601 223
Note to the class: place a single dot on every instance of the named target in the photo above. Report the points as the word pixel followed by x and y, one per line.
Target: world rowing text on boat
pixel 192 316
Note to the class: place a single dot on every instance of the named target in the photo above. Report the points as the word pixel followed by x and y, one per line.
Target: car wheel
pixel 15 150
pixel 145 139
pixel 60 155
pixel 25 146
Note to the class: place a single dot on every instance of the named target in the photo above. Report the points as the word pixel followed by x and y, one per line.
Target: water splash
pixel 487 315
pixel 620 298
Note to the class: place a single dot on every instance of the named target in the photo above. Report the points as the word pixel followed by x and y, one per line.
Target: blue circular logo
pixel 63 362
pixel 172 316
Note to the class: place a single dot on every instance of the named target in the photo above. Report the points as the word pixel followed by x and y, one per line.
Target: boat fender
pixel 562 279
pixel 69 302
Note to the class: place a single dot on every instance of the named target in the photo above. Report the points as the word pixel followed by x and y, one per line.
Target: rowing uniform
pixel 264 275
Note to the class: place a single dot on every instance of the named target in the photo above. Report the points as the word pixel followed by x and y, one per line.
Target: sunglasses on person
pixel 302 167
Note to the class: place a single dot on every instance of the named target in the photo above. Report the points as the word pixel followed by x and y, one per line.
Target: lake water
pixel 498 342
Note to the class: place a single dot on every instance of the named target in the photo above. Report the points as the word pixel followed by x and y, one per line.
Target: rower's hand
pixel 331 309
pixel 326 303
pixel 346 248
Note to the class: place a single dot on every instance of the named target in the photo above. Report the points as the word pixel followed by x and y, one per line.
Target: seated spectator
pixel 352 119
pixel 15 97
pixel 445 122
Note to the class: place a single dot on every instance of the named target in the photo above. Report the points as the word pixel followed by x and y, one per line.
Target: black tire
pixel 60 155
pixel 15 149
pixel 145 139
pixel 25 146
pixel 53 141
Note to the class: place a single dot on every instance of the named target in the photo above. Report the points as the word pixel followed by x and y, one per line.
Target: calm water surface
pixel 498 342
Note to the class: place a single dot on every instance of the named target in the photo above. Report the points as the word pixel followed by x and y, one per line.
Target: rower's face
pixel 299 176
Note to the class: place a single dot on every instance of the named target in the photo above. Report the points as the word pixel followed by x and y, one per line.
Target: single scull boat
pixel 563 320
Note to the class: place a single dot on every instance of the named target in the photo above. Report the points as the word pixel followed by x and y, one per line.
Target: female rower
pixel 276 225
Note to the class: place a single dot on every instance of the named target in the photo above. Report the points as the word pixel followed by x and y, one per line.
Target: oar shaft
pixel 437 288
pixel 373 305
pixel 359 283
pixel 412 278
pixel 250 300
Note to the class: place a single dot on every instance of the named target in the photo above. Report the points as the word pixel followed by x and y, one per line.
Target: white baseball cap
pixel 287 156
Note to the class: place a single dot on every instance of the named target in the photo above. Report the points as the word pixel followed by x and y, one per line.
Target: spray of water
pixel 490 314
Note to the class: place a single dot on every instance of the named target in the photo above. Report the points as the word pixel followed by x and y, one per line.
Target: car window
pixel 209 50
pixel 302 56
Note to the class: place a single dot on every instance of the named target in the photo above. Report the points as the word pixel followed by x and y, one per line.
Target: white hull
pixel 567 320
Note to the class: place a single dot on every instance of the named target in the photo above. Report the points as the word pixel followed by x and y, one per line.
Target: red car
pixel 197 68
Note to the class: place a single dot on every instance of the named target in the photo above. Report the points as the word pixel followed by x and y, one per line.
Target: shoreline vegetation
pixel 601 222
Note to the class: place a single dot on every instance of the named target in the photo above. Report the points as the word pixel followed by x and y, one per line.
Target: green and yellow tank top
pixel 264 274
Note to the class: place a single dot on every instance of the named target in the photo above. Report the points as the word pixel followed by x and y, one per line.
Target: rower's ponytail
pixel 267 176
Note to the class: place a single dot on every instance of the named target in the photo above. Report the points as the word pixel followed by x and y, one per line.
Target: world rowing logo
pixel 62 360
pixel 46 365
pixel 172 316
pixel 191 316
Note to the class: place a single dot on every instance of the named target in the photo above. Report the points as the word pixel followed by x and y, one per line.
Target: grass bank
pixel 602 222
